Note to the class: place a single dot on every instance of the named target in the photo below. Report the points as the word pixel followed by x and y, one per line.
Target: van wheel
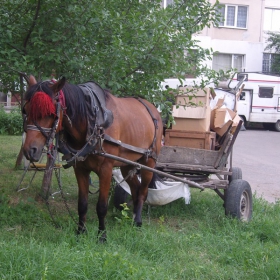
pixel 277 126
pixel 243 127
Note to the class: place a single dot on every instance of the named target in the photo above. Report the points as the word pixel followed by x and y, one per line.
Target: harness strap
pixel 155 124
pixel 124 145
pixel 36 128
pixel 71 155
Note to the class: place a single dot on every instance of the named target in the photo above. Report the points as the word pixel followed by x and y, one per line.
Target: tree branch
pixel 156 41
pixel 32 25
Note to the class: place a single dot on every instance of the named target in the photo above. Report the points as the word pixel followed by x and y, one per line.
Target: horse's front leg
pixel 83 184
pixel 105 177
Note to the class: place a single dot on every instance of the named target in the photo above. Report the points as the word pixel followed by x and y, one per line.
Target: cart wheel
pixel 238 200
pixel 120 197
pixel 236 174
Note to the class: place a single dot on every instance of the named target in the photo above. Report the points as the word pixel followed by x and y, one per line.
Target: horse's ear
pixel 31 80
pixel 56 87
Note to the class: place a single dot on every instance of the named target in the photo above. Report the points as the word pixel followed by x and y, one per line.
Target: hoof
pixel 138 224
pixel 102 237
pixel 81 230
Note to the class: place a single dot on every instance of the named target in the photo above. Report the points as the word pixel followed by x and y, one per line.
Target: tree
pixel 273 44
pixel 128 46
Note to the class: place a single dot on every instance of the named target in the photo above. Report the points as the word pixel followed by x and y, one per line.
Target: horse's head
pixel 42 115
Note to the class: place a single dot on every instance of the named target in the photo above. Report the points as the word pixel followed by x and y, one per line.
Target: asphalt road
pixel 257 153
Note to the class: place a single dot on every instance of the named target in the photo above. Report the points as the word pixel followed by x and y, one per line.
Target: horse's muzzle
pixel 33 154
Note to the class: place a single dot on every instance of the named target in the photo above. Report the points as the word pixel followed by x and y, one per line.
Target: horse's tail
pixel 156 178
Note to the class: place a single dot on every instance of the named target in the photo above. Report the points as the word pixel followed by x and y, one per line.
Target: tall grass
pixel 177 241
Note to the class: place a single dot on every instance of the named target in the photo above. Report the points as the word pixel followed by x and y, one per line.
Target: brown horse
pixel 88 128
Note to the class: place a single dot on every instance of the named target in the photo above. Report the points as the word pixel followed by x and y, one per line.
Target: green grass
pixel 177 241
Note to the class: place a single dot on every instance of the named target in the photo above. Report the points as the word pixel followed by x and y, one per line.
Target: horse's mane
pixel 74 99
pixel 75 103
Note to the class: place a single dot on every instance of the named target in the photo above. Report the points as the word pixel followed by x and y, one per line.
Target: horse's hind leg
pixel 139 192
pixel 146 177
pixel 134 185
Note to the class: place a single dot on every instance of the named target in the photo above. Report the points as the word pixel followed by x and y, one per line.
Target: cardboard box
pixel 189 95
pixel 192 119
pixel 235 123
pixel 194 113
pixel 222 116
pixel 221 120
pixel 222 130
pixel 190 139
pixel 189 112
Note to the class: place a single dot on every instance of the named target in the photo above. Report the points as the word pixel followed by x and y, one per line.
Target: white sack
pixel 165 193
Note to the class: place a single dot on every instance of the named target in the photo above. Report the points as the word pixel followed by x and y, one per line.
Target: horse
pixel 91 122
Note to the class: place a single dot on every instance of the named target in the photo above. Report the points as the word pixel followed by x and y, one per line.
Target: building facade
pixel 240 37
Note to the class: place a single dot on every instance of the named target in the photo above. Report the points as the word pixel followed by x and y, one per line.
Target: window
pixel 271 20
pixel 166 3
pixel 233 16
pixel 242 76
pixel 268 60
pixel 223 61
pixel 242 96
pixel 265 92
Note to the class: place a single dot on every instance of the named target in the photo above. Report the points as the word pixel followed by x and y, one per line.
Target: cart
pixel 211 169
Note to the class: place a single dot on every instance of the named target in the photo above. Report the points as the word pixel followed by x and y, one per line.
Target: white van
pixel 259 101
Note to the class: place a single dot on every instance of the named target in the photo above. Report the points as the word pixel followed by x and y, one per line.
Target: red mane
pixel 41 105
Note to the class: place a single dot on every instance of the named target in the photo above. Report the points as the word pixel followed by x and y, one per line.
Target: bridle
pixel 48 133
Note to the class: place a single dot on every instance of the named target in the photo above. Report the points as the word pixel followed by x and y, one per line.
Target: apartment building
pixel 240 37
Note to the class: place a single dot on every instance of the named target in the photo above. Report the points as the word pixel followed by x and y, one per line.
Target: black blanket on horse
pixel 98 114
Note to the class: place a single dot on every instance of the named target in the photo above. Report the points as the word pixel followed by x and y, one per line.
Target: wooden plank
pixel 191 139
pixel 184 155
pixel 191 168
pixel 215 184
pixel 141 166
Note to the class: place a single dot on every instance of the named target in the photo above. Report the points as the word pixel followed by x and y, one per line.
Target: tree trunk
pixel 19 158
pixel 47 179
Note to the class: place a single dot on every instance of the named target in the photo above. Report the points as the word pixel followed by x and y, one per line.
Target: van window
pixel 266 92
pixel 240 76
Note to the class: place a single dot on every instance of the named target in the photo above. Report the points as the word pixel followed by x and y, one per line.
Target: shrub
pixel 10 123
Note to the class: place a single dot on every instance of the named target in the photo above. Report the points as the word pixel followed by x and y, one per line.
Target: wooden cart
pixel 211 169
pixel 201 168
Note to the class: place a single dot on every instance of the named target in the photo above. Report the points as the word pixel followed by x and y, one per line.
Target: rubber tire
pixel 236 174
pixel 244 125
pixel 277 126
pixel 238 200
pixel 120 197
